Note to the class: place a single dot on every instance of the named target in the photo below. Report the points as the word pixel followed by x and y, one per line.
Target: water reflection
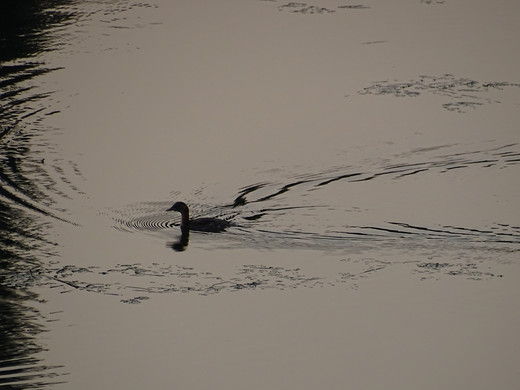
pixel 182 243
pixel 25 32
pixel 304 8
pixel 26 27
pixel 139 281
pixel 25 185
pixel 20 327
pixel 464 93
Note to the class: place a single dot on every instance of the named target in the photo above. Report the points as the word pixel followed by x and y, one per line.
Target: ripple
pixel 304 8
pixel 145 216
pixel 29 177
pixel 309 9
pixel 21 366
pixel 465 93
pixel 146 223
pixel 135 283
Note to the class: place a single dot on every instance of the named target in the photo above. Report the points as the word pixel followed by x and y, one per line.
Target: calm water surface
pixel 366 154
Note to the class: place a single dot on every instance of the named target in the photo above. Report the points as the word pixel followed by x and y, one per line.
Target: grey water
pixel 367 156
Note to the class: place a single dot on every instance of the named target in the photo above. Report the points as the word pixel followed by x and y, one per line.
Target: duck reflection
pixel 182 243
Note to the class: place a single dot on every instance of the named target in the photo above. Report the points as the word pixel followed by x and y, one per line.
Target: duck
pixel 212 225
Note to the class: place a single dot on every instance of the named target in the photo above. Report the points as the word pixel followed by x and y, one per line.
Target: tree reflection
pixel 26 30
pixel 19 327
pixel 25 27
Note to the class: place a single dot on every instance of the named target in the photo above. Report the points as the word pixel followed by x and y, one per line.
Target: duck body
pixel 213 225
pixel 208 225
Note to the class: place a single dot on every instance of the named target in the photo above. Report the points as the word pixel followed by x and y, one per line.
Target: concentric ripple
pixel 147 223
pixel 151 216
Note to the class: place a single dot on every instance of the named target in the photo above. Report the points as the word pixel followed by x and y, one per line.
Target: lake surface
pixel 366 154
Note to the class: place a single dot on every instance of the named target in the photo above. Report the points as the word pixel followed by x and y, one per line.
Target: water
pixel 367 155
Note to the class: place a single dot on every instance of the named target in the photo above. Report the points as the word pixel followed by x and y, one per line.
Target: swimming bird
pixel 214 225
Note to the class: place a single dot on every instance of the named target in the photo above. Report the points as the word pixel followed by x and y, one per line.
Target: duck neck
pixel 185 220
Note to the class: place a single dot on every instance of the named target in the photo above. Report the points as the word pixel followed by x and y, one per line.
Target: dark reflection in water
pixel 139 281
pixel 25 32
pixel 311 9
pixel 26 26
pixel 304 8
pixel 20 325
pixel 464 93
pixel 182 243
